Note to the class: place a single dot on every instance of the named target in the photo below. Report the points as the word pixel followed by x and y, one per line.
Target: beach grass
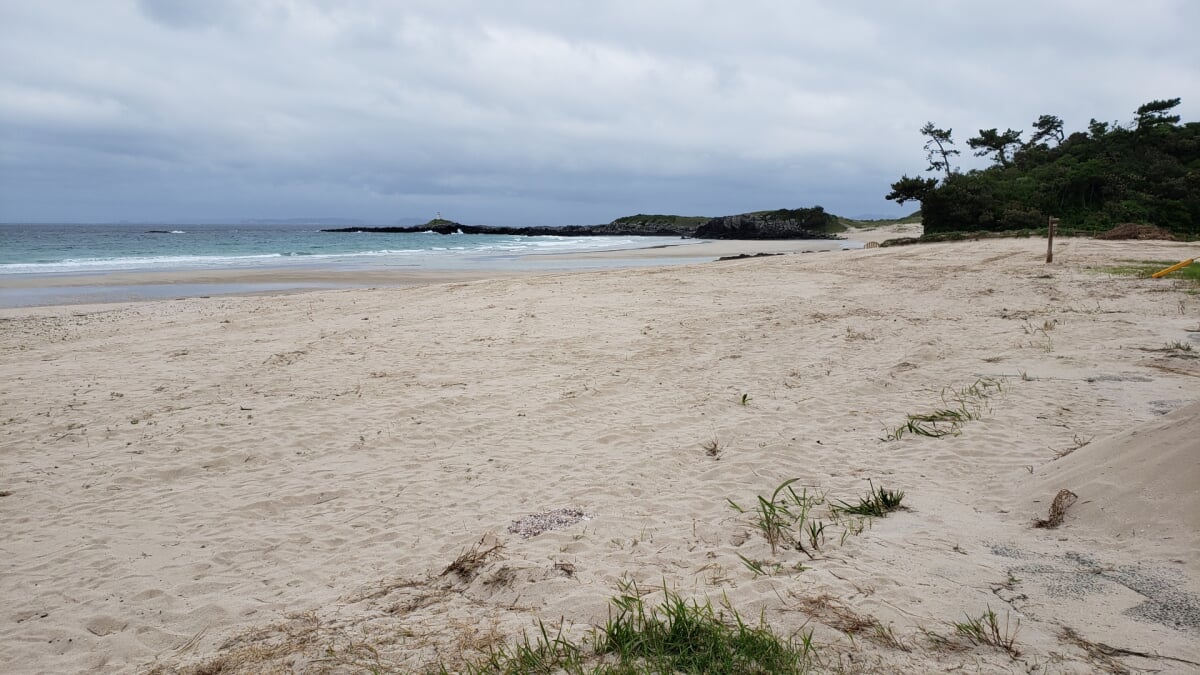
pixel 879 502
pixel 986 629
pixel 1143 269
pixel 675 636
pixel 964 404
pixel 779 517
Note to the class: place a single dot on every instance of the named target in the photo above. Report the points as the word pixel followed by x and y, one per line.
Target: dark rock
pixel 900 241
pixel 811 223
pixel 743 256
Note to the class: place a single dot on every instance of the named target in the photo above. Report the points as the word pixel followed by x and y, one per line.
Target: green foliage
pixel 680 636
pixel 878 503
pixel 1145 268
pixel 938 148
pixel 787 519
pixel 962 406
pixel 1146 173
pixel 677 636
pixel 544 654
pixel 1047 127
pixel 782 517
pixel 662 220
pixel 815 219
pixel 992 142
pixel 1154 114
pixel 911 189
pixel 914 217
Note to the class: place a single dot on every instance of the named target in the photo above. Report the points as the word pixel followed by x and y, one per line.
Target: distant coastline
pixel 804 223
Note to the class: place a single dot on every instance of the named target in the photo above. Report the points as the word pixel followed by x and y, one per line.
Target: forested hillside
pixel 1146 171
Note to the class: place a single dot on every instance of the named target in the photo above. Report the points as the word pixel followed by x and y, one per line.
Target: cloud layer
pixel 532 112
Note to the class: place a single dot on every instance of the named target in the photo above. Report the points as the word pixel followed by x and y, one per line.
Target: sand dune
pixel 281 481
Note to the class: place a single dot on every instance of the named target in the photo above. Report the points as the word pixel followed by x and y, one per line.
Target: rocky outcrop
pixel 811 223
pixel 450 227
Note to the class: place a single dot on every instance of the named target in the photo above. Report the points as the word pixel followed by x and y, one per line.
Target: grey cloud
pixel 539 112
pixel 186 14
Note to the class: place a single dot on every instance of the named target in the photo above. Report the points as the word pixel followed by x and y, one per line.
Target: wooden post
pixel 1050 240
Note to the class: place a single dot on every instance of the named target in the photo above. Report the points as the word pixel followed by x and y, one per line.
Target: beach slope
pixel 282 483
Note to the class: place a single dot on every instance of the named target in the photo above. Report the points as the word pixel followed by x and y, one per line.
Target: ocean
pixel 35 259
pixel 83 249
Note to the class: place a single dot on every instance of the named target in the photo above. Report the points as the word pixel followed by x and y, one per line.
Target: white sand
pixel 185 473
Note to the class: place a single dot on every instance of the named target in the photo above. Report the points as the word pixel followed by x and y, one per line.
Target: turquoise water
pixel 67 264
pixel 85 249
pixel 54 264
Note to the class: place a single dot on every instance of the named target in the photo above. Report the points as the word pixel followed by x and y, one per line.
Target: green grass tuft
pixel 1142 269
pixel 677 636
pixel 544 654
pixel 986 629
pixel 878 503
pixel 964 405
pixel 689 637
pixel 780 517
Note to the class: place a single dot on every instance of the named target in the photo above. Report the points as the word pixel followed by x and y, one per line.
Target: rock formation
pixel 812 223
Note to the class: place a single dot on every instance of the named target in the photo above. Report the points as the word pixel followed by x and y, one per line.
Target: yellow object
pixel 1172 268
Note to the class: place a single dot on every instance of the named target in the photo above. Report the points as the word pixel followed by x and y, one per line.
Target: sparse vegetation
pixel 761 568
pixel 782 516
pixel 963 405
pixel 827 610
pixel 677 636
pixel 1142 269
pixel 1100 654
pixel 469 561
pixel 663 220
pixel 878 503
pixel 986 629
pixel 786 520
pixel 1078 442
pixel 913 218
pixel 815 529
pixel 544 654
pixel 1058 509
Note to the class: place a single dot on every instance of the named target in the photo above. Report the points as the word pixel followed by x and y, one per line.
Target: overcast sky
pixel 541 112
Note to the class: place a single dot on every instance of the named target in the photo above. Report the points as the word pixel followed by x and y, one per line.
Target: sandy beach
pixel 30 290
pixel 279 483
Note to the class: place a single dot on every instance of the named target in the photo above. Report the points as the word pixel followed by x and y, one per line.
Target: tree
pixel 911 189
pixel 1154 114
pixel 938 148
pixel 990 141
pixel 1047 126
pixel 1146 171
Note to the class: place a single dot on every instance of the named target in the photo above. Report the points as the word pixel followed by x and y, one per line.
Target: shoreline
pixel 48 290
